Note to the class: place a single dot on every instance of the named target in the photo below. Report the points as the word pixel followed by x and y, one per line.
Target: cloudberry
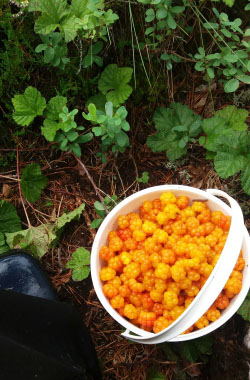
pixel 170 299
pixel 168 256
pixel 124 291
pixel 157 205
pixel 240 264
pixel 147 302
pixel 130 311
pixel 167 197
pixel 177 272
pixel 205 269
pixel 146 318
pixel 158 309
pixel 109 290
pixel 193 275
pixel 149 280
pixel 139 235
pixel 182 202
pixel 147 206
pixel 115 244
pixel 202 322
pixel 160 236
pixel 198 206
pixel 222 301
pixel 115 263
pixel 162 218
pixel 135 224
pixel 160 324
pixel 106 253
pixel 132 270
pixel 160 285
pixel 174 286
pixel 123 221
pixel 185 283
pixel 149 227
pixel 107 274
pixel 125 258
pixel 117 302
pixel 124 279
pixel 135 299
pixel 188 301
pixel 149 245
pixel 192 223
pixel 116 281
pixel 172 211
pixel 155 258
pixel 212 314
pixel 130 244
pixel 192 291
pixel 176 311
pixel 233 285
pixel 156 295
pixel 179 228
pixel 124 234
pixel 112 234
pixel 135 286
pixel 162 271
pixel 146 265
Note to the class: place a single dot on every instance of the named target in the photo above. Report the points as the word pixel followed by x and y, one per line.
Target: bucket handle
pixel 214 284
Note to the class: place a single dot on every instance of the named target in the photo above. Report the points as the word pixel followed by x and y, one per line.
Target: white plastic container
pixel 238 239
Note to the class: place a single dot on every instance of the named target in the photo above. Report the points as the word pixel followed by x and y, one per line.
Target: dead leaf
pixel 6 190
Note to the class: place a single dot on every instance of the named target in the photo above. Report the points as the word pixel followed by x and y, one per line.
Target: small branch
pixel 92 182
pixel 19 187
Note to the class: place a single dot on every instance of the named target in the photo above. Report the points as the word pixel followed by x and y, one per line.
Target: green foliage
pixel 59 125
pixel 28 106
pixel 155 375
pixel 244 310
pixel 38 240
pixel 9 222
pixel 231 62
pixel 9 219
pixel 194 350
pixel 144 178
pixel 163 16
pixel 54 48
pixel 92 55
pixel 111 127
pixel 176 126
pixel 79 264
pixel 113 83
pixel 86 17
pixel 33 182
pixel 228 143
pixel 109 203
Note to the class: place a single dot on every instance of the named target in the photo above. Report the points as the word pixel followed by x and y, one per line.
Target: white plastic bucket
pixel 238 239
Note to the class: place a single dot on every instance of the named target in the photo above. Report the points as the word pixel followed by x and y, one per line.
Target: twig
pixel 92 182
pixel 19 187
pixel 7 177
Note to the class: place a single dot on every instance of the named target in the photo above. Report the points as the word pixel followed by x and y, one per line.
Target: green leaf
pixel 244 310
pixel 69 26
pixel 155 375
pixel 245 179
pixel 96 223
pixel 9 219
pixel 215 127
pixel 235 117
pixel 144 178
pixel 231 85
pixel 66 218
pixel 113 83
pixel 172 126
pixel 49 129
pixel 79 8
pixel 189 351
pixel 55 106
pixel 52 13
pixel 80 260
pixel 28 106
pixel 38 240
pixel 244 78
pixel 33 182
pixel 227 164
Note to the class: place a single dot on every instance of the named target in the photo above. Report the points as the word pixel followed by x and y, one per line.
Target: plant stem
pixel 19 187
pixel 91 181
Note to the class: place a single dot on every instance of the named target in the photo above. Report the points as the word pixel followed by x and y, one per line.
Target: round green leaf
pixel 231 85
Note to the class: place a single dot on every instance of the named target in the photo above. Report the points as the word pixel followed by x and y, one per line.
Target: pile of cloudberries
pixel 159 258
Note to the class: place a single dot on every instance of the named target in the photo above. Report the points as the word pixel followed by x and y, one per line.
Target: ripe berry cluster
pixel 158 259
